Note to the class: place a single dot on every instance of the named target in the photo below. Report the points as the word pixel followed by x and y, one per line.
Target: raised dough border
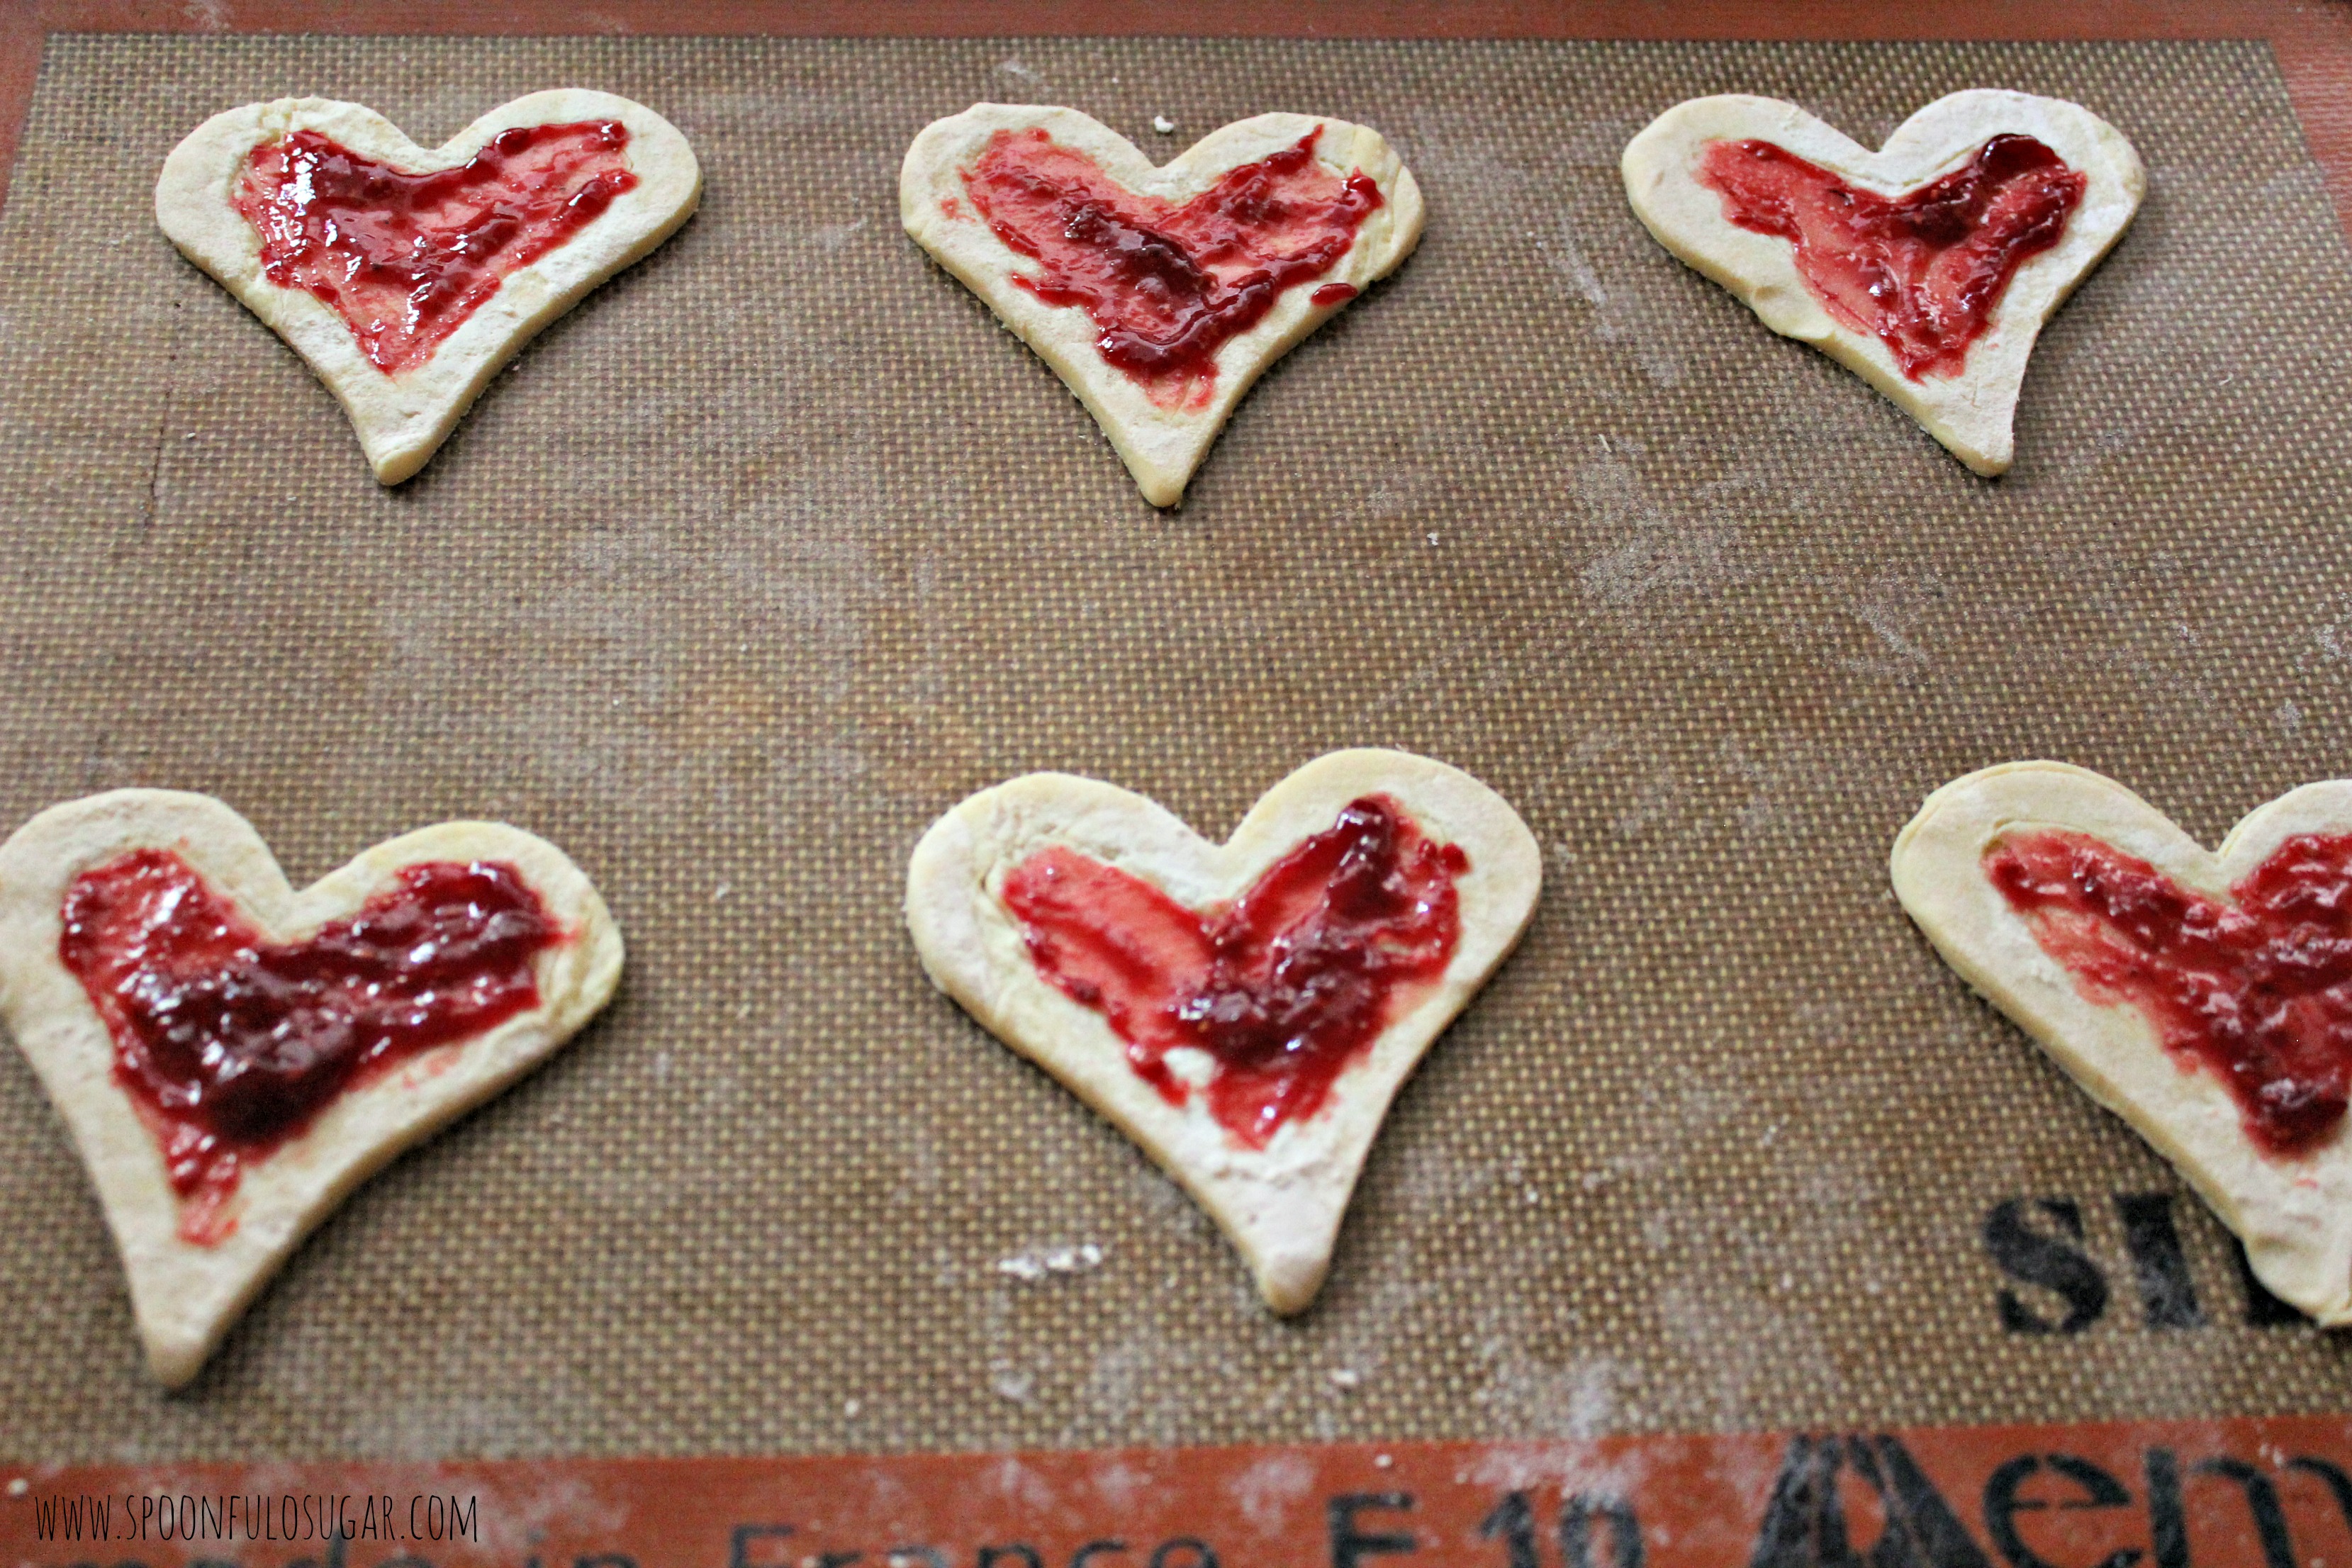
pixel 1972 413
pixel 1160 446
pixel 186 1297
pixel 2295 1216
pixel 402 420
pixel 1281 1206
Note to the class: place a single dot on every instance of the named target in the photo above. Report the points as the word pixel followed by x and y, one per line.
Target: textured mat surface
pixel 777 547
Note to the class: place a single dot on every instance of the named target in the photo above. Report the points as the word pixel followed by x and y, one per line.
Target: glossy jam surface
pixel 404 258
pixel 1167 285
pixel 229 1045
pixel 1921 272
pixel 1282 989
pixel 2257 992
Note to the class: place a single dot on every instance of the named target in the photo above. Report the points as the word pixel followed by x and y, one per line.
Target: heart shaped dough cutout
pixel 1971 412
pixel 2292 1211
pixel 185 1294
pixel 1160 443
pixel 402 418
pixel 1280 1203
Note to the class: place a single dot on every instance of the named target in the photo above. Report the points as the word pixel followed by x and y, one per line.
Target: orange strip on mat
pixel 2274 1492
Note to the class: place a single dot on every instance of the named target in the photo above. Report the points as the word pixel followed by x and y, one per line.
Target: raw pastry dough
pixel 1280 1205
pixel 186 1296
pixel 2294 1214
pixel 1161 447
pixel 402 419
pixel 1969 413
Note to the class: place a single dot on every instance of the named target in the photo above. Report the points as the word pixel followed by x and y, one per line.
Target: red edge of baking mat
pixel 2191 1494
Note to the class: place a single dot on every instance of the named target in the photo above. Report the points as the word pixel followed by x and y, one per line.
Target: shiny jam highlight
pixel 1920 272
pixel 229 1045
pixel 404 258
pixel 1166 285
pixel 2258 993
pixel 1283 989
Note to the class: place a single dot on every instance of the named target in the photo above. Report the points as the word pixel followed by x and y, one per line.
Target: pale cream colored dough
pixel 1161 447
pixel 2294 1215
pixel 1280 1205
pixel 402 419
pixel 185 1296
pixel 1969 413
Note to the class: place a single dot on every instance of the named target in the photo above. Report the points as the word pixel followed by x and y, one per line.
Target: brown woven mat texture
pixel 777 547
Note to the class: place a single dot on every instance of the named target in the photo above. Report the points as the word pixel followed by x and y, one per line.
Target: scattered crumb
pixel 1382 1461
pixel 18 1486
pixel 719 894
pixel 1433 542
pixel 1039 1262
pixel 850 1407
pixel 1344 1377
pixel 1165 126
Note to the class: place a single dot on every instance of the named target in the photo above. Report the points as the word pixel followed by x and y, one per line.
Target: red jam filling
pixel 1283 989
pixel 404 258
pixel 1921 272
pixel 2258 993
pixel 1167 285
pixel 229 1045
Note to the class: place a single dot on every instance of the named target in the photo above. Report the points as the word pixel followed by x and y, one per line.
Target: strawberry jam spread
pixel 404 258
pixel 229 1045
pixel 2258 991
pixel 1282 989
pixel 1166 285
pixel 1921 272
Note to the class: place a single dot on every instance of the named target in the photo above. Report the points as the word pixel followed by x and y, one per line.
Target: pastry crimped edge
pixel 1162 447
pixel 1971 414
pixel 402 419
pixel 186 1297
pixel 2294 1214
pixel 1280 1206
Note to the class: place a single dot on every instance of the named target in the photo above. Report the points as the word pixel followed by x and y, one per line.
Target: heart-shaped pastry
pixel 1159 294
pixel 1925 268
pixel 406 275
pixel 2206 998
pixel 233 1057
pixel 1244 1011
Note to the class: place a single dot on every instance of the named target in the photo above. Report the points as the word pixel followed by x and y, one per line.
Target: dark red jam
pixel 2258 993
pixel 1167 285
pixel 1921 272
pixel 405 258
pixel 229 1045
pixel 1283 989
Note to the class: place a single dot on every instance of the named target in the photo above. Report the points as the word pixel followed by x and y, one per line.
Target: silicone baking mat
pixel 777 547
